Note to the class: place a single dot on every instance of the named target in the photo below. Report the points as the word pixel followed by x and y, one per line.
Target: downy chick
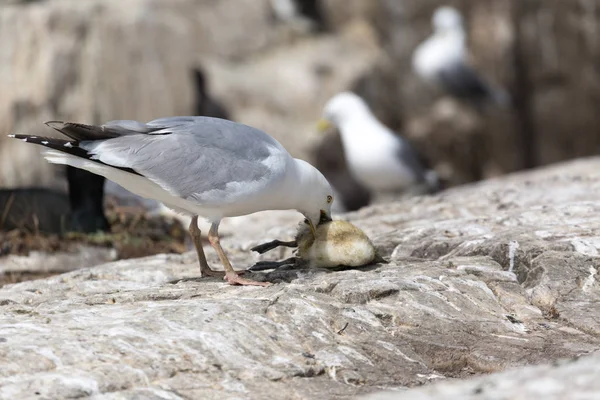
pixel 337 243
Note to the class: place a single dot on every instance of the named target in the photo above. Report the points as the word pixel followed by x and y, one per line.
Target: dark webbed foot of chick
pixel 263 248
pixel 290 263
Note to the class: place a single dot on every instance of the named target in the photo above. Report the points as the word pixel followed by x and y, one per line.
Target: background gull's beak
pixel 323 125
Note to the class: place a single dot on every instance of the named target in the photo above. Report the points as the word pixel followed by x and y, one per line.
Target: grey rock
pixel 482 278
pixel 39 263
pixel 575 378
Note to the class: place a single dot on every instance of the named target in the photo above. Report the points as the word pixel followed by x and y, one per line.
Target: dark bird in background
pixel 442 60
pixel 206 105
pixel 86 198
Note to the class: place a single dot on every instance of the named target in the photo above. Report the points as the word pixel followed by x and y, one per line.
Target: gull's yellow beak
pixel 324 218
pixel 323 125
pixel 312 228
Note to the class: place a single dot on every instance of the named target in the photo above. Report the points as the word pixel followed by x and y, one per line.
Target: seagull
pixel 442 60
pixel 377 158
pixel 198 166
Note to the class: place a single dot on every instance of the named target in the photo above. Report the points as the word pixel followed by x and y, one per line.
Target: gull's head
pixel 316 197
pixel 446 19
pixel 342 107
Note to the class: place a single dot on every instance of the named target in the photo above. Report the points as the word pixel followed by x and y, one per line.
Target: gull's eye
pixel 329 199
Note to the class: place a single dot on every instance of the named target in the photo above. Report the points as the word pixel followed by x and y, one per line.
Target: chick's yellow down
pixel 336 243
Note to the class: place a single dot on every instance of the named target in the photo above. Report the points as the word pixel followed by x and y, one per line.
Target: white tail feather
pixel 132 182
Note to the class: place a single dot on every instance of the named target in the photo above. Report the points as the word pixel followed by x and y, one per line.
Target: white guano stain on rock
pixel 513 246
pixel 590 280
pixel 586 247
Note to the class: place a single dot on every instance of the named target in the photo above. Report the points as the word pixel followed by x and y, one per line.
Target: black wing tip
pixel 63 125
pixel 58 125
pixel 66 146
pixel 24 138
pixel 46 141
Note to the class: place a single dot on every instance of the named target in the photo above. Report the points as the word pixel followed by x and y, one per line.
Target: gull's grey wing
pixel 196 157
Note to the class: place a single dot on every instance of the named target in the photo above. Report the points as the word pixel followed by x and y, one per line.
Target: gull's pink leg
pixel 231 276
pixel 196 238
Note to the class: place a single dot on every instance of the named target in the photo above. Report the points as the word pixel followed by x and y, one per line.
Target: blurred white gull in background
pixel 378 159
pixel 442 60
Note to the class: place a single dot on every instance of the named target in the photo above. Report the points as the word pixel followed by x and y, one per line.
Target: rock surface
pixel 563 379
pixel 481 278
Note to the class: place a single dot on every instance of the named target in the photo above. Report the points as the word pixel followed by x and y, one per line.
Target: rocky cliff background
pixel 99 60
